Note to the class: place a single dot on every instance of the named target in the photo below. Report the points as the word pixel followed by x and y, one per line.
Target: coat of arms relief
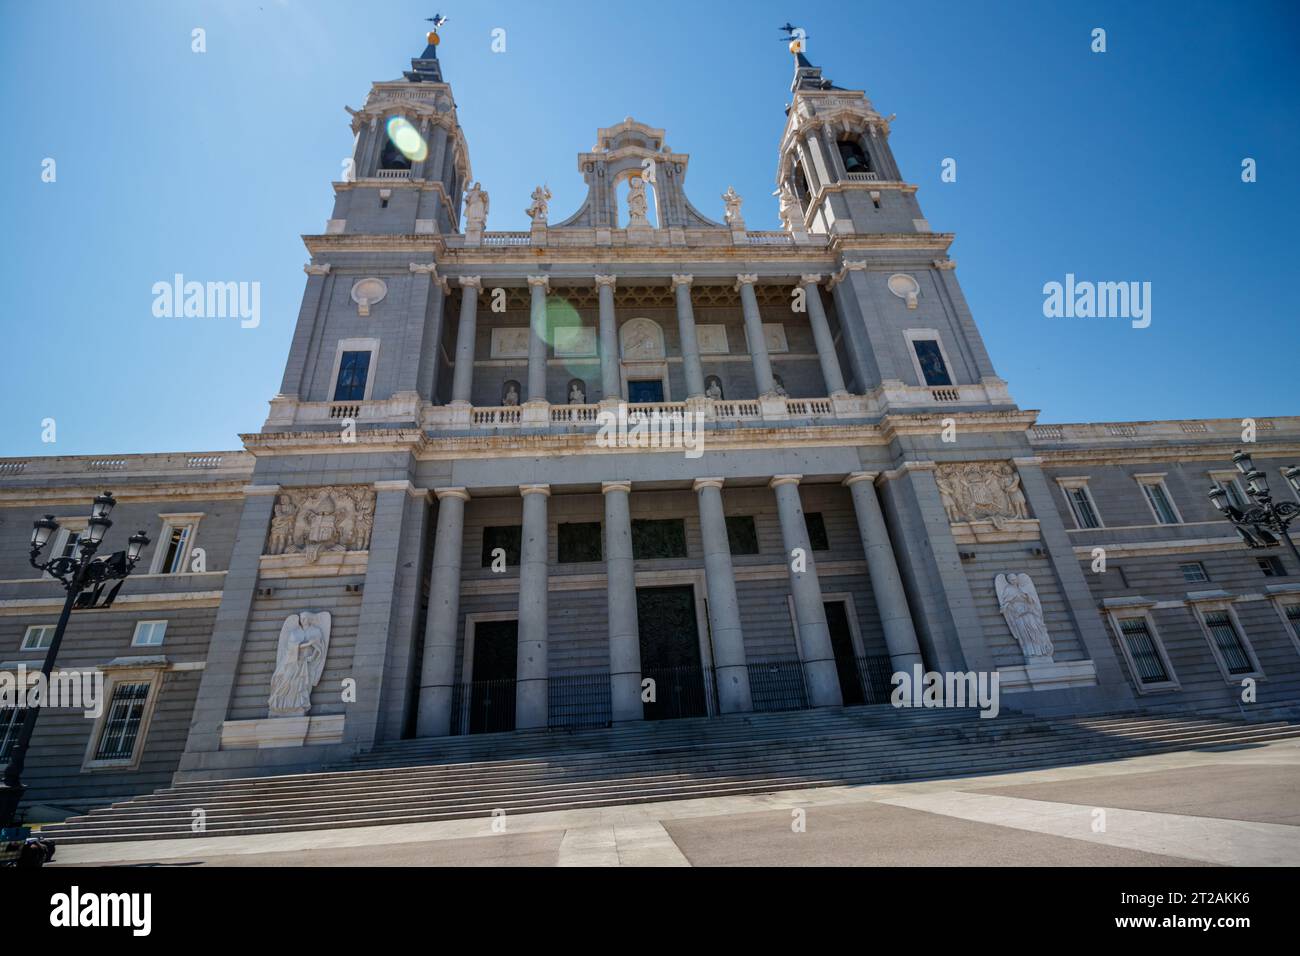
pixel 314 521
pixel 984 501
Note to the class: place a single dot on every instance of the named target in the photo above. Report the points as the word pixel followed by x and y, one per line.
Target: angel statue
pixel 541 203
pixel 476 208
pixel 789 210
pixel 1019 604
pixel 299 662
pixel 732 200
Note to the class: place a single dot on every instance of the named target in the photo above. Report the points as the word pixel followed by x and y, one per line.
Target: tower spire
pixel 425 68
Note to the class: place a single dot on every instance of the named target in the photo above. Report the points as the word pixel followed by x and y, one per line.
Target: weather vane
pixel 437 20
pixel 795 36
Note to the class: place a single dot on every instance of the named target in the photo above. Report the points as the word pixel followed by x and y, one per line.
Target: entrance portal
pixel 670 653
pixel 492 693
pixel 846 664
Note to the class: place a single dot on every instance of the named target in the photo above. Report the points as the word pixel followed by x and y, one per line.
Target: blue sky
pixel 1117 166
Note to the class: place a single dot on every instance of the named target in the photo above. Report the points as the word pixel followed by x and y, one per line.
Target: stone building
pixel 509 477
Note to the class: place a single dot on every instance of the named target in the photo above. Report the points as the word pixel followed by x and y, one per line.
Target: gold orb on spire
pixel 432 38
pixel 796 45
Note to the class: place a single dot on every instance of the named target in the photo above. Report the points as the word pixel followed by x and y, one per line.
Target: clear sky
pixel 1115 166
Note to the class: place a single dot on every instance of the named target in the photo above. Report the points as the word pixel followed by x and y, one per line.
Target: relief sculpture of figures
pixel 314 521
pixel 981 491
pixel 1018 601
pixel 299 663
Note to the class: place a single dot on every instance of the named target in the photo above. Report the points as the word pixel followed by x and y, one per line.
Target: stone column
pixel 438 672
pixel 538 287
pixel 686 332
pixel 754 330
pixel 821 331
pixel 624 633
pixel 462 380
pixel 532 695
pixel 611 386
pixel 886 583
pixel 729 663
pixel 810 614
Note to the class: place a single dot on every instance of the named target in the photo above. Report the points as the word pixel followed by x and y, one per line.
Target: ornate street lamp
pixel 84 577
pixel 1262 523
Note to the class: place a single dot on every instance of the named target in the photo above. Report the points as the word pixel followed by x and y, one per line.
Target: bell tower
pixel 836 173
pixel 410 163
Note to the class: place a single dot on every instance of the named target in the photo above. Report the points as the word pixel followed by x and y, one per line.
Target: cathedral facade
pixel 635 464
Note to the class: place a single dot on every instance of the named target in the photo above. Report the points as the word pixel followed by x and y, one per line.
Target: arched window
pixel 854 157
pixel 392 157
pixel 800 184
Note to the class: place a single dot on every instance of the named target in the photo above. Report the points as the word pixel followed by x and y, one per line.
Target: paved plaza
pixel 1193 808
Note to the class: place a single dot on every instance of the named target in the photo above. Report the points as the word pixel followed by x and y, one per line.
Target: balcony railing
pixel 393 174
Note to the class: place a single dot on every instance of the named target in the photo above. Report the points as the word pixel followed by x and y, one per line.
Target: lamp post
pixel 84 577
pixel 1262 522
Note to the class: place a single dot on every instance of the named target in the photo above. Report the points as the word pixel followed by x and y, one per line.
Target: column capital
pixel 680 278
pixel 853 477
pixel 455 492
pixel 778 480
pixel 603 281
pixel 607 486
pixel 699 484
pixel 317 268
pixel 471 282
pixel 543 281
pixel 810 278
pixel 430 267
pixel 535 489
pixel 746 278
pixel 400 484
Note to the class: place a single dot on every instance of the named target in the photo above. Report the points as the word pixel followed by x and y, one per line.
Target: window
pixel 658 538
pixel 578 541
pixel 1142 650
pixel 1236 497
pixel 1079 498
pixel 508 538
pixel 1272 567
pixel 392 157
pixel 816 526
pixel 354 369
pixel 1291 614
pixel 121 727
pixel 801 184
pixel 175 544
pixel 67 545
pixel 11 723
pixel 149 634
pixel 742 534
pixel 1193 573
pixel 929 357
pixel 855 158
pixel 1162 507
pixel 1229 647
pixel 38 637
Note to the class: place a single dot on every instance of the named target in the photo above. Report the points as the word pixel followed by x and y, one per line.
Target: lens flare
pixel 564 334
pixel 407 138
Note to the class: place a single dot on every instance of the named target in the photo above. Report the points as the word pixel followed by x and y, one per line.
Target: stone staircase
pixel 530 772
